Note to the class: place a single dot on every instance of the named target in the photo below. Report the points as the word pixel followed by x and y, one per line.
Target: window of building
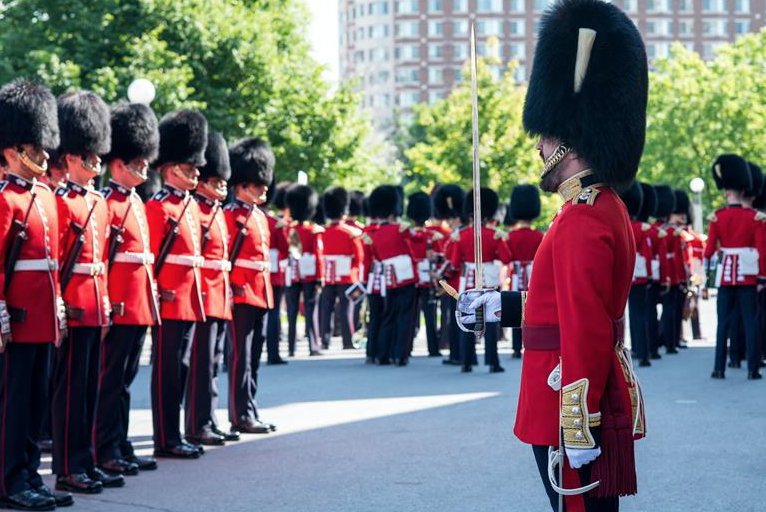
pixel 489 27
pixel 489 6
pixel 517 27
pixel 459 51
pixel 659 27
pixel 714 28
pixel 434 96
pixel 655 6
pixel 379 31
pixel 378 8
pixel 518 51
pixel 742 6
pixel 708 50
pixel 459 5
pixel 685 28
pixel 408 29
pixel 516 6
pixel 629 5
pixel 407 52
pixel 741 27
pixel 686 6
pixel 435 51
pixel 541 5
pixel 460 28
pixel 435 76
pixel 359 56
pixel 497 72
pixel 520 73
pixel 714 6
pixel 408 99
pixel 688 45
pixel 407 6
pixel 457 75
pixel 407 75
pixel 435 28
pixel 435 6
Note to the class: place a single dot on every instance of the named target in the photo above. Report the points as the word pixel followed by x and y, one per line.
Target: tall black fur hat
pixel 760 200
pixel 758 180
pixel 84 124
pixel 302 201
pixel 666 201
pixel 602 113
pixel 134 133
pixel 356 203
pixel 216 158
pixel 682 202
pixel 525 202
pixel 419 207
pixel 732 172
pixel 489 203
pixel 183 138
pixel 448 201
pixel 649 204
pixel 28 115
pixel 366 207
pixel 319 216
pixel 280 191
pixel 384 201
pixel 633 199
pixel 251 162
pixel 335 202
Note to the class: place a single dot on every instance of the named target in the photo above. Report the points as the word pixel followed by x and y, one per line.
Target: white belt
pixel 342 264
pixel 44 264
pixel 260 266
pixel 219 265
pixel 89 269
pixel 140 258
pixel 185 260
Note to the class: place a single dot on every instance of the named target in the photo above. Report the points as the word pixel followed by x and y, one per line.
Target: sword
pixel 477 255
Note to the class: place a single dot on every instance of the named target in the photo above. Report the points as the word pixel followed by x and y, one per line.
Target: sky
pixel 323 33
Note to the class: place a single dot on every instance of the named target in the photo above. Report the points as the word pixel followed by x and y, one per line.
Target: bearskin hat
pixel 84 124
pixel 134 133
pixel 28 115
pixel 302 201
pixel 384 201
pixel 448 201
pixel 732 172
pixel 758 180
pixel 400 204
pixel 525 202
pixel 279 194
pixel 666 201
pixel 183 138
pixel 216 158
pixel 419 207
pixel 682 202
pixel 356 203
pixel 251 162
pixel 319 216
pixel 366 207
pixel 508 219
pixel 591 93
pixel 760 199
pixel 633 199
pixel 489 203
pixel 335 202
pixel 649 204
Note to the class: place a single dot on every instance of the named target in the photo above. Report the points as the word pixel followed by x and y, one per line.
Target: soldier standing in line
pixel 355 213
pixel 666 203
pixel 278 259
pixel 373 281
pixel 175 233
pixel 32 315
pixel 83 222
pixel 252 169
pixel 132 289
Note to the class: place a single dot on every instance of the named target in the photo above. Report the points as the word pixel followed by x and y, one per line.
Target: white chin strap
pixel 555 458
pixel 33 166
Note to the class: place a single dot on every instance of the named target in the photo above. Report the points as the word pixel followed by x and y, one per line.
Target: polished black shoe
pixel 208 438
pixel 496 368
pixel 28 500
pixel 402 362
pixel 683 345
pixel 200 449
pixel 451 362
pixel 143 463
pixel 106 480
pixel 717 374
pixel 435 354
pixel 382 362
pixel 45 445
pixel 644 363
pixel 516 355
pixel 252 427
pixel 762 364
pixel 227 436
pixel 271 426
pixel 369 360
pixel 118 467
pixel 754 375
pixel 183 451
pixel 276 361
pixel 735 364
pixel 671 351
pixel 655 356
pixel 62 499
pixel 78 482
pixel 466 368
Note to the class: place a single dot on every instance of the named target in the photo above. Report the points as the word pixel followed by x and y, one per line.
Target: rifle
pixel 74 251
pixel 236 245
pixel 206 229
pixel 115 236
pixel 168 239
pixel 19 230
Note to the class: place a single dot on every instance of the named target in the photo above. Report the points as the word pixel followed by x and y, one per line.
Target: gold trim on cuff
pixel 575 420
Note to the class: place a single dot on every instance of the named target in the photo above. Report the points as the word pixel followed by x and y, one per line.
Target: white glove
pixel 469 301
pixel 579 457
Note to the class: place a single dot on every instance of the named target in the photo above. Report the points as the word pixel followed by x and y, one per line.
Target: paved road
pixel 359 438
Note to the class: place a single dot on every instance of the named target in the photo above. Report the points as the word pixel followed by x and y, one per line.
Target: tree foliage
pixel 244 63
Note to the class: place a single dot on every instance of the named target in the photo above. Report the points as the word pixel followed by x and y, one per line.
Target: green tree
pixel 244 63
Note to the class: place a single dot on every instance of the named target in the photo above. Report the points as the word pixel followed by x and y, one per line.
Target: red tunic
pixel 215 270
pixel 179 279
pixel 373 269
pixel 33 293
pixel 389 247
pixel 278 249
pixel 736 234
pixel 425 246
pixel 132 290
pixel 309 267
pixel 86 296
pixel 583 271
pixel 660 270
pixel 523 243
pixel 642 269
pixel 250 280
pixel 493 248
pixel 343 253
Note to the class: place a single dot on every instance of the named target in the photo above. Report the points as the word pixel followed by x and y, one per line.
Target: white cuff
pixel 579 457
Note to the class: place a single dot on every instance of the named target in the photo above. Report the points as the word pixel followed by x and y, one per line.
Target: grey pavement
pixel 354 437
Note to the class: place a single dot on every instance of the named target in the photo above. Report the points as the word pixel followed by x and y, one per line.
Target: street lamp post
pixel 697 185
pixel 141 90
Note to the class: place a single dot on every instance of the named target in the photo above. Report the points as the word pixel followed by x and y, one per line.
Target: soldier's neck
pixel 571 186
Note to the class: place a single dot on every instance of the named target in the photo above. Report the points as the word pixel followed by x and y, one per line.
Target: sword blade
pixel 479 280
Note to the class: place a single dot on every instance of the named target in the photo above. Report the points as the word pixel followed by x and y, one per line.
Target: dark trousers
pixel 426 304
pixel 357 307
pixel 75 385
pixel 246 352
pixel 395 326
pixel 293 296
pixel 761 337
pixel 454 334
pixel 332 293
pixel 120 355
pixel 638 307
pixel 736 302
pixel 652 323
pixel 591 504
pixel 274 325
pixel 669 318
pixel 516 339
pixel 445 321
pixel 170 342
pixel 201 397
pixel 736 341
pixel 375 304
pixel 24 370
pixel 468 346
